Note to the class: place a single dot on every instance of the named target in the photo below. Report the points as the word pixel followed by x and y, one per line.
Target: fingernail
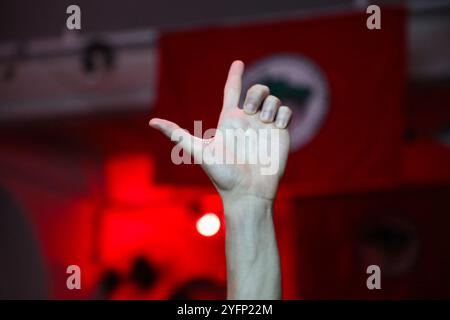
pixel 266 115
pixel 281 123
pixel 250 107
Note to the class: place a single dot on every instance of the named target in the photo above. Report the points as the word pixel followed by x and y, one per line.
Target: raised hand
pixel 262 123
pixel 247 187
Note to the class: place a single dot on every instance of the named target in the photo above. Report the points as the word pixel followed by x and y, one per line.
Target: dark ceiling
pixel 23 20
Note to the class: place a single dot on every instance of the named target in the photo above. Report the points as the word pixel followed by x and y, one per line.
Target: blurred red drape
pixel 357 145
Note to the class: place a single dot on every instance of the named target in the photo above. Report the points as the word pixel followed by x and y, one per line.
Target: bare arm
pixel 253 265
pixel 247 188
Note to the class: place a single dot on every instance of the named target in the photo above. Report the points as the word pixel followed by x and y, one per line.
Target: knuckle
pixel 285 109
pixel 274 99
pixel 259 89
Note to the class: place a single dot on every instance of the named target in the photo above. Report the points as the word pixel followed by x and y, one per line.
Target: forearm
pixel 253 266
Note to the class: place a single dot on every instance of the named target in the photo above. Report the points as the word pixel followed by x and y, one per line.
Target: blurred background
pixel 84 181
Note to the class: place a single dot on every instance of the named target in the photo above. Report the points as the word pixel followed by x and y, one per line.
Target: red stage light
pixel 208 225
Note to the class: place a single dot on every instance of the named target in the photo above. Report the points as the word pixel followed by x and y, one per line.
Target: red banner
pixel 344 82
pixel 427 146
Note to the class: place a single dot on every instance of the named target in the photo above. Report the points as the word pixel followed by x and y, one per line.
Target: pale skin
pixel 253 266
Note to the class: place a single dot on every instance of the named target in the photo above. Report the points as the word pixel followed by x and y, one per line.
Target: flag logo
pixel 301 85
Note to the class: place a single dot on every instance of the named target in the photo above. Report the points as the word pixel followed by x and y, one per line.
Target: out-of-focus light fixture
pixel 208 224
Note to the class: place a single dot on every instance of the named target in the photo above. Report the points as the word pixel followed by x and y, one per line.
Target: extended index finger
pixel 233 85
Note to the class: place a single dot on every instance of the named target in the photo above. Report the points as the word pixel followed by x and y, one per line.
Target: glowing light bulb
pixel 208 225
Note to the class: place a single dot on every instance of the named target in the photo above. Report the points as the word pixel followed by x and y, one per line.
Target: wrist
pixel 247 207
pixel 253 266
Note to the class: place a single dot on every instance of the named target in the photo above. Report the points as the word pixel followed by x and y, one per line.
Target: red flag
pixel 427 147
pixel 344 82
pixel 403 232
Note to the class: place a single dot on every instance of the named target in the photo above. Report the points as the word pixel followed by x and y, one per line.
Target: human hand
pixel 263 123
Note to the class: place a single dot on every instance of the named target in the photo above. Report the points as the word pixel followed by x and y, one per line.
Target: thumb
pixel 180 136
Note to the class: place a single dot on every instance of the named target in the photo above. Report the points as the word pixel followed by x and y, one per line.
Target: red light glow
pixel 208 225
